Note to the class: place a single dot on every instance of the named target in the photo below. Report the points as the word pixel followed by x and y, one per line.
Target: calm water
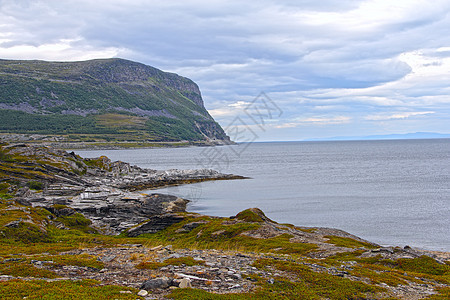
pixel 393 192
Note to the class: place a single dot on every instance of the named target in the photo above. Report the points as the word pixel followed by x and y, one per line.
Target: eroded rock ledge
pixel 102 190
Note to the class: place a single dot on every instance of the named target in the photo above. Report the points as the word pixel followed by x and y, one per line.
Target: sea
pixel 391 192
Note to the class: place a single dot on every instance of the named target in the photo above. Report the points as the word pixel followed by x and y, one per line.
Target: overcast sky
pixel 332 67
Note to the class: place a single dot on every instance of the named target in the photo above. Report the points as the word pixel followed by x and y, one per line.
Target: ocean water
pixel 392 192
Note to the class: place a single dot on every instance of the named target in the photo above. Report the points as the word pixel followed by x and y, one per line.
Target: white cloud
pixel 320 121
pixel 61 50
pixel 396 116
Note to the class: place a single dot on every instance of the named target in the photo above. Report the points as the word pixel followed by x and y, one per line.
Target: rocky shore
pixel 69 219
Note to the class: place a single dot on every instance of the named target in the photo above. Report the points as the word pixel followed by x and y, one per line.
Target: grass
pixel 25 269
pixel 77 221
pixel 81 260
pixel 64 289
pixel 347 242
pixel 35 237
pixel 35 185
pixel 250 215
pixel 305 284
pixel 217 234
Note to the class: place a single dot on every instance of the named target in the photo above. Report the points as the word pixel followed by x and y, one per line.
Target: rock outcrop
pixel 106 192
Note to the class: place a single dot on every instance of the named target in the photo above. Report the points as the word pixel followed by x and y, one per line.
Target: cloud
pixel 232 109
pixel 60 50
pixel 318 60
pixel 316 121
pixel 401 115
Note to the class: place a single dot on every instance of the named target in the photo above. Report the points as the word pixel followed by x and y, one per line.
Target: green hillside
pixel 113 99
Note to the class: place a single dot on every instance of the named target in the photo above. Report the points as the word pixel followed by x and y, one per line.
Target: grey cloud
pixel 235 49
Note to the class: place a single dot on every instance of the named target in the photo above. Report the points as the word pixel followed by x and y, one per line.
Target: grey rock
pixel 157 283
pixel 155 224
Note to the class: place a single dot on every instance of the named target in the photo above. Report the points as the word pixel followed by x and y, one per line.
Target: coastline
pixel 64 142
pixel 138 239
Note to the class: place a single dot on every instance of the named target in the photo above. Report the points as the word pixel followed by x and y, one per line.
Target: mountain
pixel 103 99
pixel 399 136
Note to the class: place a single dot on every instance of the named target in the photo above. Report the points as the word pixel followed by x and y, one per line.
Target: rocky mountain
pixel 110 99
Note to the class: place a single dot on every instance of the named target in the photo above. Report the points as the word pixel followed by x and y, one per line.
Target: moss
pixel 323 285
pixel 347 242
pixel 35 185
pixel 26 232
pixel 5 196
pixel 59 206
pixel 305 284
pixel 4 186
pixel 443 294
pixel 379 274
pixel 21 269
pixel 64 289
pixel 250 215
pixel 344 256
pixel 96 162
pixel 423 264
pixel 77 221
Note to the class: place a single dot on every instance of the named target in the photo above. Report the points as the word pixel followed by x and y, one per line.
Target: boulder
pixel 157 283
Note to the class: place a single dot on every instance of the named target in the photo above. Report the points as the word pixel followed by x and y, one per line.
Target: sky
pixel 268 70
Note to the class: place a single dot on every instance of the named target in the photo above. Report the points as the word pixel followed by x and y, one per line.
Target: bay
pixel 392 192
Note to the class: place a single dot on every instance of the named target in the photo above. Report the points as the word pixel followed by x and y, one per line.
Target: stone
pixel 156 248
pixel 143 293
pixel 185 283
pixel 157 283
pixel 108 258
pixel 155 224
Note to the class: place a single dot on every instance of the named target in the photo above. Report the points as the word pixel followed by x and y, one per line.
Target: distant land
pixel 399 136
pixel 102 100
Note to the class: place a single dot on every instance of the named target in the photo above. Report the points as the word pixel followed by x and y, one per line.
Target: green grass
pixel 65 289
pixel 347 242
pixel 81 260
pixel 219 234
pixel 25 269
pixel 306 284
pixel 423 264
pixel 35 185
pixel 249 215
pixel 77 221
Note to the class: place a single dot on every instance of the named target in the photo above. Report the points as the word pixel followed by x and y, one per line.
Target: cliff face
pixel 114 97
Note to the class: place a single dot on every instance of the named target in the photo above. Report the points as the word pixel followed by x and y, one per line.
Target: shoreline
pixel 63 142
pixel 77 219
